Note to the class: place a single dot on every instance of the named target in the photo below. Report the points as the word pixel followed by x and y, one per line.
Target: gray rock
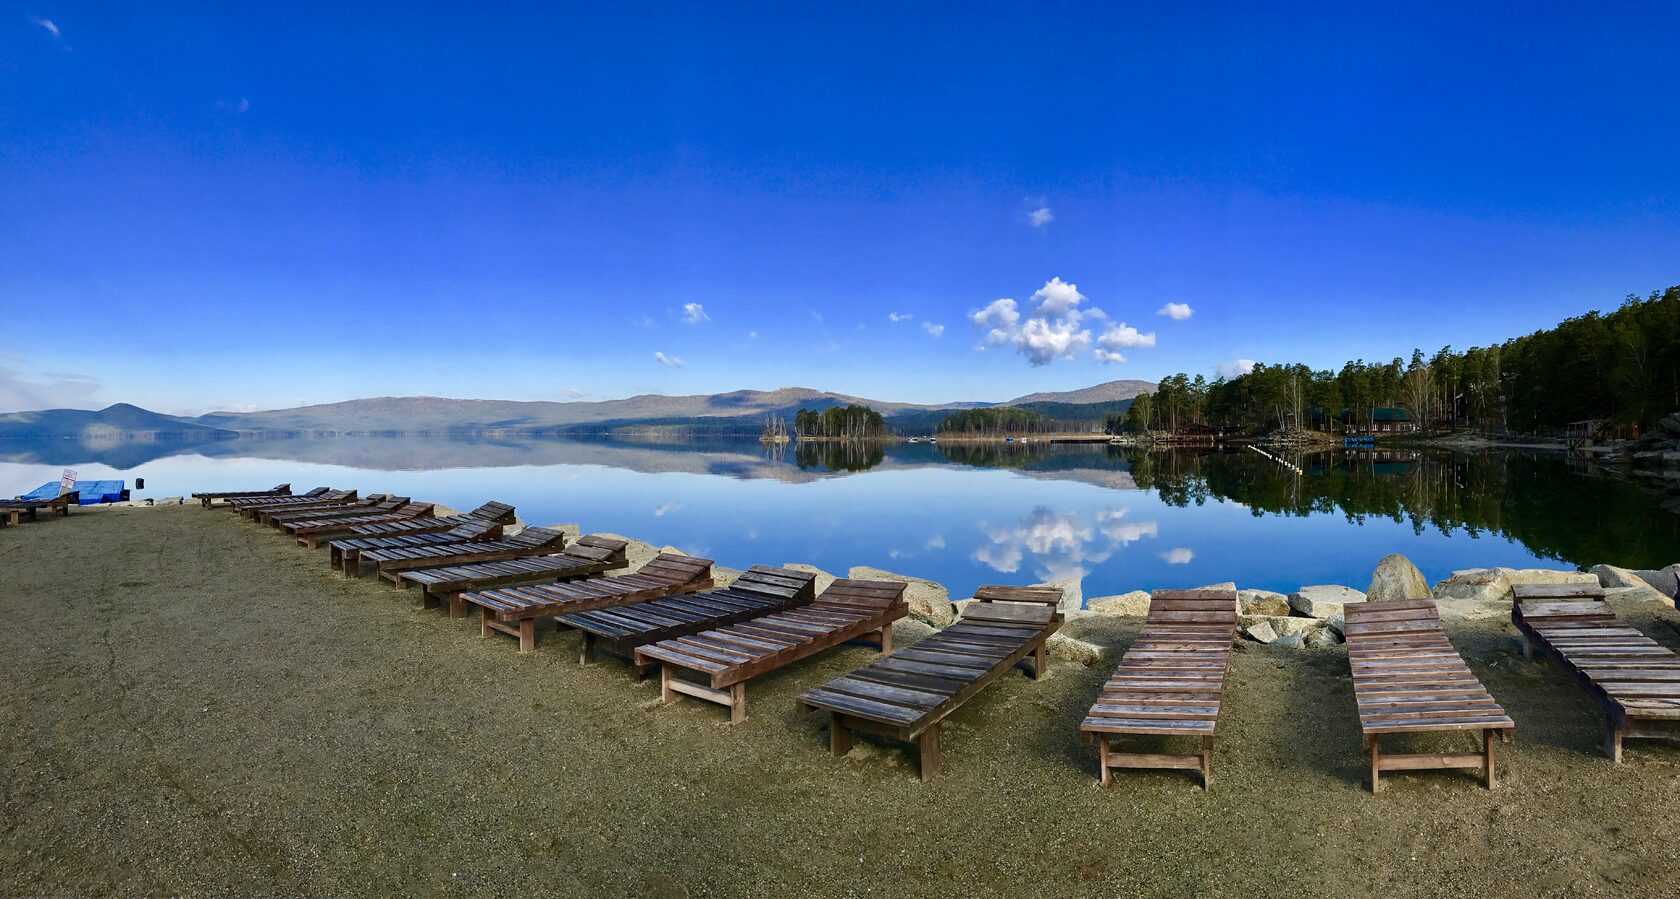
pixel 1066 649
pixel 1397 578
pixel 823 578
pixel 1261 602
pixel 928 601
pixel 908 630
pixel 1291 641
pixel 1665 580
pixel 1225 585
pixel 1323 638
pixel 1634 594
pixel 1135 603
pixel 571 531
pixel 1323 600
pixel 1337 622
pixel 638 552
pixel 723 576
pixel 1611 576
pixel 1261 632
pixel 1494 584
pixel 443 511
pixel 1073 592
pixel 1670 423
pixel 169 501
pixel 1281 625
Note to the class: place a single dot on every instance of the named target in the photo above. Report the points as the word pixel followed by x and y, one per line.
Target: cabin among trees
pixel 1380 420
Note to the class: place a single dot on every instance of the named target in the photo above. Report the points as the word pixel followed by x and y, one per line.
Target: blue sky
pixel 525 202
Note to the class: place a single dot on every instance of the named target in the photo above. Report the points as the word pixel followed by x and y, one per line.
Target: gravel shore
pixel 193 705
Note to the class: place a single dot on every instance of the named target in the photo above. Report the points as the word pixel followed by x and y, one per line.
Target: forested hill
pixel 1621 366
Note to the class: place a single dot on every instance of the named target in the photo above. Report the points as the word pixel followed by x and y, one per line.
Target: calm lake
pixel 966 515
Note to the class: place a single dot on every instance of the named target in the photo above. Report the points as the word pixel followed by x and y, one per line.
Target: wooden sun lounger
pixel 906 695
pixel 515 611
pixel 589 554
pixel 314 532
pixel 347 552
pixel 1634 679
pixel 730 656
pixel 1169 682
pixel 15 510
pixel 391 563
pixel 225 495
pixel 1408 678
pixel 239 503
pixel 294 503
pixel 367 505
pixel 498 513
pixel 761 590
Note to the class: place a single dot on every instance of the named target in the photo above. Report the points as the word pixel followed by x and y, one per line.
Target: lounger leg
pixel 588 654
pixel 1207 762
pixel 928 743
pixel 527 634
pixel 1376 763
pixel 666 694
pixel 1527 647
pixel 1038 662
pixel 484 625
pixel 738 702
pixel 1613 742
pixel 886 639
pixel 457 606
pixel 1487 757
pixel 839 736
pixel 1102 759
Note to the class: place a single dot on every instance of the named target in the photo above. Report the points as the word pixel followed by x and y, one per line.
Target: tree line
pixel 852 422
pixel 1622 367
pixel 995 421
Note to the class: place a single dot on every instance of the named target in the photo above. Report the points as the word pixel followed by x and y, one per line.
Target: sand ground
pixel 192 706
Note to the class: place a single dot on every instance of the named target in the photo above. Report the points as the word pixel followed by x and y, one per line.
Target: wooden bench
pixel 1408 678
pixel 15 510
pixel 326 500
pixel 314 532
pixel 1634 679
pixel 225 495
pixel 906 695
pixel 1169 683
pixel 760 590
pixel 589 554
pixel 515 611
pixel 730 656
pixel 239 504
pixel 347 552
pixel 391 563
pixel 378 502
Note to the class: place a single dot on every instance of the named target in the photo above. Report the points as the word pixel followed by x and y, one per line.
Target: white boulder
pixel 1073 592
pixel 1260 632
pixel 1323 600
pixel 1261 602
pixel 1494 584
pixel 1397 578
pixel 1067 649
pixel 1135 603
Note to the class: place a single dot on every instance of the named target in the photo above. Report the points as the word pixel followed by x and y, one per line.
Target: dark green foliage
pixel 1623 367
pixel 997 420
pixel 843 422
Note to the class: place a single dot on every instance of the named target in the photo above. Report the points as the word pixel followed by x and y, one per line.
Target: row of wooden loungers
pixel 709 643
pixel 14 511
pixel 207 499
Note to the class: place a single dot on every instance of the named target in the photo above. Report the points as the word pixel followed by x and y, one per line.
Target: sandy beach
pixel 193 705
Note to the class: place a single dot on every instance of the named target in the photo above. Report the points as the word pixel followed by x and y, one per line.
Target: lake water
pixel 966 515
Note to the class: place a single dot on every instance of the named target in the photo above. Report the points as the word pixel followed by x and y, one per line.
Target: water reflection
pixel 839 455
pixel 1060 544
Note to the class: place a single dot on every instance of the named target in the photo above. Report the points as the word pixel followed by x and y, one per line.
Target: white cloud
pixel 1178 555
pixel 572 393
pixel 694 313
pixel 933 329
pixel 1055 328
pixel 1176 311
pixel 663 509
pixel 668 361
pixel 816 317
pixel 937 541
pixel 19 393
pixel 1040 217
pixel 752 335
pixel 1059 544
pixel 49 25
pixel 899 316
pixel 1234 368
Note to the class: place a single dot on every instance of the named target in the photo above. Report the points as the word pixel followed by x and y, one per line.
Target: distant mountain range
pixel 740 411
